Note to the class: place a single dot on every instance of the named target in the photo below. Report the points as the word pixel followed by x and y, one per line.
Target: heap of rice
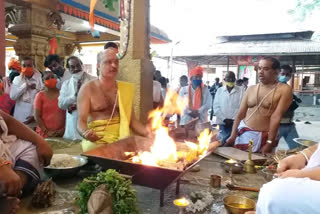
pixel 63 161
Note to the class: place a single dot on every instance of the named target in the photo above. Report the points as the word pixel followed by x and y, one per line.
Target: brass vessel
pixel 249 164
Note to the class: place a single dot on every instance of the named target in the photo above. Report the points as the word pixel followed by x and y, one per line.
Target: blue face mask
pixel 196 83
pixel 283 79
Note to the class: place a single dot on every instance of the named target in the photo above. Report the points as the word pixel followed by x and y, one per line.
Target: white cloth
pixel 13 149
pixel 66 76
pixel 67 97
pixel 156 91
pixel 291 195
pixel 226 105
pixel 24 97
pixel 206 104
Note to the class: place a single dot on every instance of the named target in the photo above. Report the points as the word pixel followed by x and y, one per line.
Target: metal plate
pixel 305 142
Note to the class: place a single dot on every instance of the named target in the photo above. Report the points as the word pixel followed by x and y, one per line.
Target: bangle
pixel 304 155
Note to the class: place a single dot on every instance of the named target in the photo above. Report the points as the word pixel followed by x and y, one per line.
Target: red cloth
pixel 52 116
pixel 196 71
pixel 6 104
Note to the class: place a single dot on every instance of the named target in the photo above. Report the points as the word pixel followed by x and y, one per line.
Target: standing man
pixel 24 89
pixel 287 128
pixel 69 93
pixel 105 106
pixel 54 63
pixel 261 110
pixel 199 99
pixel 245 83
pixel 226 105
pixel 213 91
pixel 157 97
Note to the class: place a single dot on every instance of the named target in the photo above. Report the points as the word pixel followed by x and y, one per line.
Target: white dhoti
pixel 291 195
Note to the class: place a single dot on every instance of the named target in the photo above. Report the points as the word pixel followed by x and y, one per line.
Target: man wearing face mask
pixel 24 89
pixel 68 95
pixel 287 128
pixel 199 98
pixel 226 105
pixel 54 63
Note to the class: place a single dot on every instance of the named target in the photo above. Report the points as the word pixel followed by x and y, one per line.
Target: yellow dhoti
pixel 118 127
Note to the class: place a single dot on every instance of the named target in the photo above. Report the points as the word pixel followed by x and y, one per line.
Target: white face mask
pixel 78 75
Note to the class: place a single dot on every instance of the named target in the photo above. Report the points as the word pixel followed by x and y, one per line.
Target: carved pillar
pixel 2 40
pixel 136 66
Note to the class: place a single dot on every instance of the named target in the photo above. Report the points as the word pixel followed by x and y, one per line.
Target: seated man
pixel 105 106
pixel 261 110
pixel 198 96
pixel 68 96
pixel 22 153
pixel 296 191
pixel 24 89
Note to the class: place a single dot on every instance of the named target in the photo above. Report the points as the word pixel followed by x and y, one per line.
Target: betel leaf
pixel 124 197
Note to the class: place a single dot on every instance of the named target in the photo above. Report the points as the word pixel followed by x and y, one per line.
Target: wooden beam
pixel 103 37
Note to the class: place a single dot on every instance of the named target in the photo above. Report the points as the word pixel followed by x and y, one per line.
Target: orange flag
pixel 91 17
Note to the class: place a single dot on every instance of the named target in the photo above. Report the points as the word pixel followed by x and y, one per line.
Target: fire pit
pixel 156 162
pixel 111 156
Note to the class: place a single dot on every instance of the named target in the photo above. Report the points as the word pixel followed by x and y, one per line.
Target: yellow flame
pixel 204 141
pixel 164 147
pixel 181 202
pixel 231 161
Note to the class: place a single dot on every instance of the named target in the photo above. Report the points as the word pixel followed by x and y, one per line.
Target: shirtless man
pixel 101 103
pixel 261 110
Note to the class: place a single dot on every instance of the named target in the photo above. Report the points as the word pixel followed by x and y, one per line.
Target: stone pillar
pixel 2 40
pixel 136 66
pixel 34 28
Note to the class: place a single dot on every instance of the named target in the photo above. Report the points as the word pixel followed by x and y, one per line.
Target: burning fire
pixel 164 148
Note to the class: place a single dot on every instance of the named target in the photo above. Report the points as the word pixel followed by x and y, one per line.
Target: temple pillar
pixel 2 40
pixel 136 66
pixel 36 24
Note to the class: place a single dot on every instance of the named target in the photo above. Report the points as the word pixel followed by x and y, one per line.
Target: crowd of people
pixel 68 102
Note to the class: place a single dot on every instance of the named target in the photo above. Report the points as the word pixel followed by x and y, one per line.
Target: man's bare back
pixel 259 118
pixel 101 102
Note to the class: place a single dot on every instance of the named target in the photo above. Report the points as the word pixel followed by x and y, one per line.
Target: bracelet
pixel 304 155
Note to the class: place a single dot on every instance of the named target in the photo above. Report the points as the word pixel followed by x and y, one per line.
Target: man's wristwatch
pixel 269 141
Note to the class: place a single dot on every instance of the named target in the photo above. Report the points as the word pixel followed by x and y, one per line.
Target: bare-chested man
pixel 105 106
pixel 261 110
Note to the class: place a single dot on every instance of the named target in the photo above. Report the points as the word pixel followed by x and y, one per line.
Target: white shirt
pixel 226 105
pixel 156 91
pixel 67 97
pixel 66 76
pixel 203 110
pixel 24 97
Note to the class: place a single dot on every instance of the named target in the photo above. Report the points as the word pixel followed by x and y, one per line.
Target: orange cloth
pixel 52 116
pixel 91 17
pixel 14 64
pixel 196 71
pixel 197 97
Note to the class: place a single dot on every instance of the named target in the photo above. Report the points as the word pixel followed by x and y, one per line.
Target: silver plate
pixel 305 142
pixel 66 171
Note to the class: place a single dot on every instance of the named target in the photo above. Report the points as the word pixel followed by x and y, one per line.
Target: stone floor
pixel 149 199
